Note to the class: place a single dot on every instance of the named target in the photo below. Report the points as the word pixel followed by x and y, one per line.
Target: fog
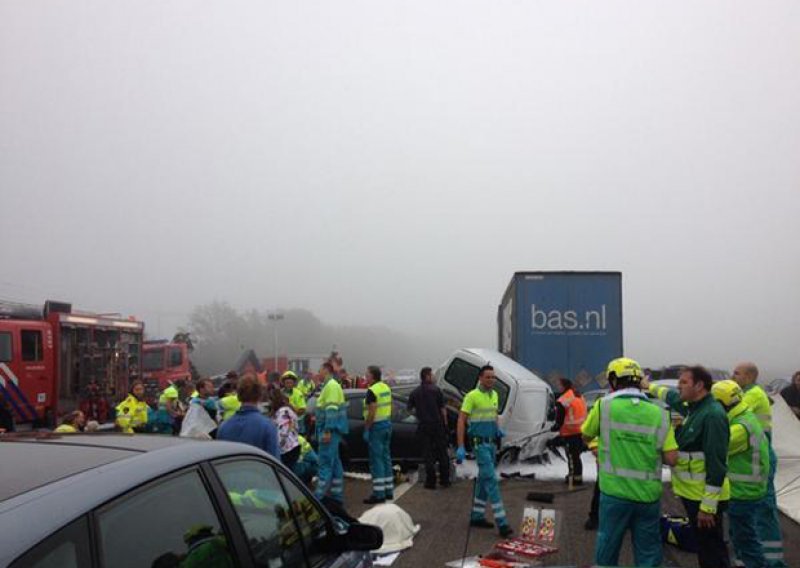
pixel 393 163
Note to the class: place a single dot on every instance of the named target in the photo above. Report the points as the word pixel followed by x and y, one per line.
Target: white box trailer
pixel 527 403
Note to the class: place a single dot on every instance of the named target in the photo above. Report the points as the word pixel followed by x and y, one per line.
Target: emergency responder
pixel 378 436
pixel 748 470
pixel 634 438
pixel 574 414
pixel 228 400
pixel 699 477
pixel 307 385
pixel 331 420
pixel 204 389
pixel 132 412
pixel 769 526
pixel 297 399
pixel 170 412
pixel 204 396
pixel 73 423
pixel 480 408
pixel 306 466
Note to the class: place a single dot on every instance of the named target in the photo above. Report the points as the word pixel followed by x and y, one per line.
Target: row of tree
pixel 220 333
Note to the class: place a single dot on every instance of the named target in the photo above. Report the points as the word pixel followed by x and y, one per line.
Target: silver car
pixel 99 500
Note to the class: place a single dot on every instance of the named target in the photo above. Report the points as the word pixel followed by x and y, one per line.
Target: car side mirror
pixel 361 537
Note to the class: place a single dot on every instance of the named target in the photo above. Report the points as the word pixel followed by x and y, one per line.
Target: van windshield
pixel 464 376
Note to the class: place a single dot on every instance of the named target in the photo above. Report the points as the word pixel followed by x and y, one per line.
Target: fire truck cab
pixel 55 361
pixel 164 362
pixel 27 368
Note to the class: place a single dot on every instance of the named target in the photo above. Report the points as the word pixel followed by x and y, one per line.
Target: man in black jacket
pixel 427 403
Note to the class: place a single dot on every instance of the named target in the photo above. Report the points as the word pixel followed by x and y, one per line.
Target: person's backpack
pixel 678 531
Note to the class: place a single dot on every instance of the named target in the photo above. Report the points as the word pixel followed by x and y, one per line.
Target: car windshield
pixel 153 359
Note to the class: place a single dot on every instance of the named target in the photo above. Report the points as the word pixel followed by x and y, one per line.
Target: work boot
pixel 590 524
pixel 372 500
pixel 481 524
pixel 445 484
pixel 429 486
pixel 506 531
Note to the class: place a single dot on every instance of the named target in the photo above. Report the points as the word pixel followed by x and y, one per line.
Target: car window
pixel 400 413
pixel 31 345
pixel 265 514
pixel 462 375
pixel 355 408
pixel 171 522
pixel 310 519
pixel 67 548
pixel 5 347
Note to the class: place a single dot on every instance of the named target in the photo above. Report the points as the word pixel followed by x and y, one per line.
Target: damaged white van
pixel 527 404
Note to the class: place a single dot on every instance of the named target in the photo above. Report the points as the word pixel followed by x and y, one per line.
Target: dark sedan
pixel 406 449
pixel 127 501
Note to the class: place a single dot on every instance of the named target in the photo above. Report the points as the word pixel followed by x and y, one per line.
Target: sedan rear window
pixel 168 523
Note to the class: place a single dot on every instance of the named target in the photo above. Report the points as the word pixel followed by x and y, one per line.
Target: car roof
pixel 80 472
pixel 33 459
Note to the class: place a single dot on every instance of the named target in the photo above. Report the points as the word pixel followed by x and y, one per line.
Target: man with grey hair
pixel 769 527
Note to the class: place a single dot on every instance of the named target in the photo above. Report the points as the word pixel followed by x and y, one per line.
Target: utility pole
pixel 275 317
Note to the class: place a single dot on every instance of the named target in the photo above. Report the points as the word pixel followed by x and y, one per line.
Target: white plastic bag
pixel 197 423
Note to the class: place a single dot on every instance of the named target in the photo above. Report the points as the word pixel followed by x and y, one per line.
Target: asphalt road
pixel 444 514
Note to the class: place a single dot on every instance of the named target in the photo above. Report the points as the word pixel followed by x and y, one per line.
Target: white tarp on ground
pixel 556 470
pixel 397 526
pixel 786 442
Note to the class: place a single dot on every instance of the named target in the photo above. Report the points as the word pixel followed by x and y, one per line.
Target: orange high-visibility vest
pixel 574 413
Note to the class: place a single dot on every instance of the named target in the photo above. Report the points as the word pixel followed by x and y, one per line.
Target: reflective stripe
pixel 774 555
pixel 712 489
pixel 479 501
pixel 687 476
pixel 480 510
pixel 692 456
pixel 710 503
pixel 622 426
pixel 772 544
pixel 745 477
pixel 642 475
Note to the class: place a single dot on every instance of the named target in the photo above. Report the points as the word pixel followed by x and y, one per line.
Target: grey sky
pixel 396 162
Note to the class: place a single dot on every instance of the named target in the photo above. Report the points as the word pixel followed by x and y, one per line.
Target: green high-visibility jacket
pixel 700 474
pixel 758 403
pixel 632 434
pixel 748 456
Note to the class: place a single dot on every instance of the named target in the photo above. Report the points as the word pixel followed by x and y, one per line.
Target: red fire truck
pixel 53 361
pixel 164 362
